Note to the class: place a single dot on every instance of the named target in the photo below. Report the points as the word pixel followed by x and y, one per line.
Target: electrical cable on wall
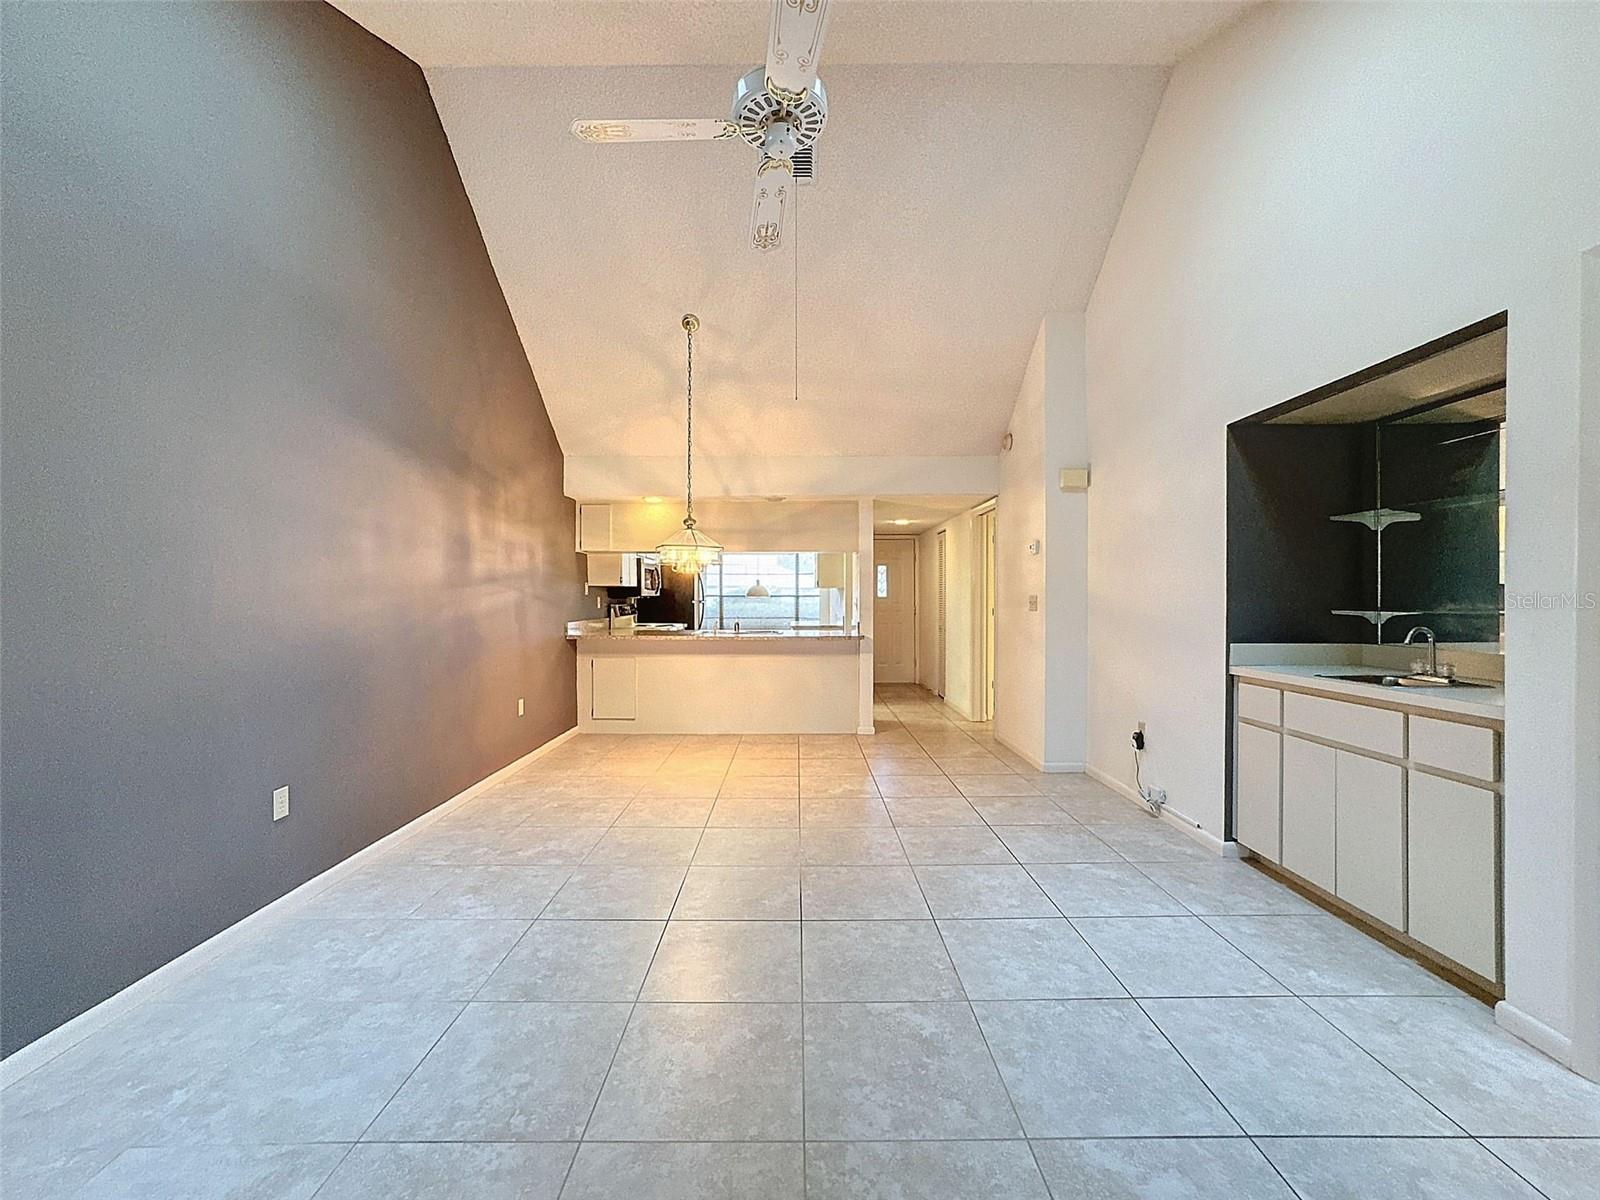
pixel 1147 795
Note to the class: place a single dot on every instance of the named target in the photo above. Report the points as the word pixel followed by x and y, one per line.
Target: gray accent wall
pixel 279 500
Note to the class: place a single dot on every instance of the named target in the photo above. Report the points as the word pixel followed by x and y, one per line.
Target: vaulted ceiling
pixel 974 162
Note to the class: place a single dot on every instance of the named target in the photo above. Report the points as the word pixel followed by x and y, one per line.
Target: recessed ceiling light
pixel 653 500
pixel 900 521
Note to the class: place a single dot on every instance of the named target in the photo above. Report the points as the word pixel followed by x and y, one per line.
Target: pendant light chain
pixel 688 471
pixel 796 239
pixel 689 549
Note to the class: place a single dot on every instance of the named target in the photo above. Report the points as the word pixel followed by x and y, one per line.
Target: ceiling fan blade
pixel 707 129
pixel 794 46
pixel 774 177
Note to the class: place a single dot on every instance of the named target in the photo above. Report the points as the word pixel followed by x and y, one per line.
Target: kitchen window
pixel 790 580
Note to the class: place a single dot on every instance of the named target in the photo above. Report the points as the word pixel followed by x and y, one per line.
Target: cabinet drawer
pixel 1259 703
pixel 1453 878
pixel 1256 791
pixel 1450 746
pixel 1380 730
pixel 1308 829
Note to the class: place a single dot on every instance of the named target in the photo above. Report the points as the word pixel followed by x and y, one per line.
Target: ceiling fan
pixel 779 109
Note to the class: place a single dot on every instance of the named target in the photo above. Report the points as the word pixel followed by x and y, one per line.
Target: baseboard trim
pixel 27 1059
pixel 1206 838
pixel 1047 766
pixel 1534 1031
pixel 866 730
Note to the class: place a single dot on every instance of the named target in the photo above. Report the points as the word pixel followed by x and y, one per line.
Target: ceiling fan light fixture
pixel 689 549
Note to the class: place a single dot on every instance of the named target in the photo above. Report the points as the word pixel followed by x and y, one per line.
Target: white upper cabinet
pixel 594 527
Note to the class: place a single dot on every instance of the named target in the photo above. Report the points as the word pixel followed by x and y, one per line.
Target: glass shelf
pixel 1378 519
pixel 1376 615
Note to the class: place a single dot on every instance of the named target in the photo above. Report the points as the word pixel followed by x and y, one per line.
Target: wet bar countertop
pixel 1484 702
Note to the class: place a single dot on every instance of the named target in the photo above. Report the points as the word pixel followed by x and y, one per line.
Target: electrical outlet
pixel 1033 604
pixel 522 706
pixel 280 804
pixel 1158 796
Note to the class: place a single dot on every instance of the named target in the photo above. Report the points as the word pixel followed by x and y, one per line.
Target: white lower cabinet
pixel 1451 854
pixel 1367 820
pixel 1369 838
pixel 1308 820
pixel 614 694
pixel 1257 754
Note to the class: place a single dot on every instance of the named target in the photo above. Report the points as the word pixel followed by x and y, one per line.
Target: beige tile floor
pixel 771 967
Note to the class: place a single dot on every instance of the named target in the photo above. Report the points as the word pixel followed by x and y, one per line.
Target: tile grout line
pixel 972 1012
pixel 627 1024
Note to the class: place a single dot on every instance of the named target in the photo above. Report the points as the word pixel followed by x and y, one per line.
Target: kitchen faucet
pixel 1433 647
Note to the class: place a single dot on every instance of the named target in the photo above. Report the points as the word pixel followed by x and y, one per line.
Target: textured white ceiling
pixel 960 196
pixel 920 513
pixel 589 33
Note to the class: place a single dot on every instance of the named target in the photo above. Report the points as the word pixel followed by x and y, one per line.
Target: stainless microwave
pixel 649 575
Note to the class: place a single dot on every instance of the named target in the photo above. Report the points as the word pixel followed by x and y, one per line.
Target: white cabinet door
pixel 1256 791
pixel 1453 877
pixel 613 570
pixel 594 527
pixel 1369 841
pixel 615 688
pixel 1308 810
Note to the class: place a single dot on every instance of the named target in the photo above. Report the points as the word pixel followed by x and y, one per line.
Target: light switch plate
pixel 522 706
pixel 280 804
pixel 1033 604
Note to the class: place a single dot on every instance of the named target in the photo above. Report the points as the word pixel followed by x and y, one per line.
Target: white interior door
pixel 894 613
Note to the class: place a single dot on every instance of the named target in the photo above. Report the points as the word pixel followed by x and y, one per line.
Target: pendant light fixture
pixel 759 590
pixel 689 549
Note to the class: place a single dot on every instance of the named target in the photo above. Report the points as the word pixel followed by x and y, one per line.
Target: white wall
pixel 1041 704
pixel 1019 633
pixel 1326 186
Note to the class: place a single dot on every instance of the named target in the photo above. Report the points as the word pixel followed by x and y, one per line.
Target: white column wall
pixel 1041 664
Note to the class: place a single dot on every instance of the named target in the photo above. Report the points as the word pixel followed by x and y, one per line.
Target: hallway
pixel 900 965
